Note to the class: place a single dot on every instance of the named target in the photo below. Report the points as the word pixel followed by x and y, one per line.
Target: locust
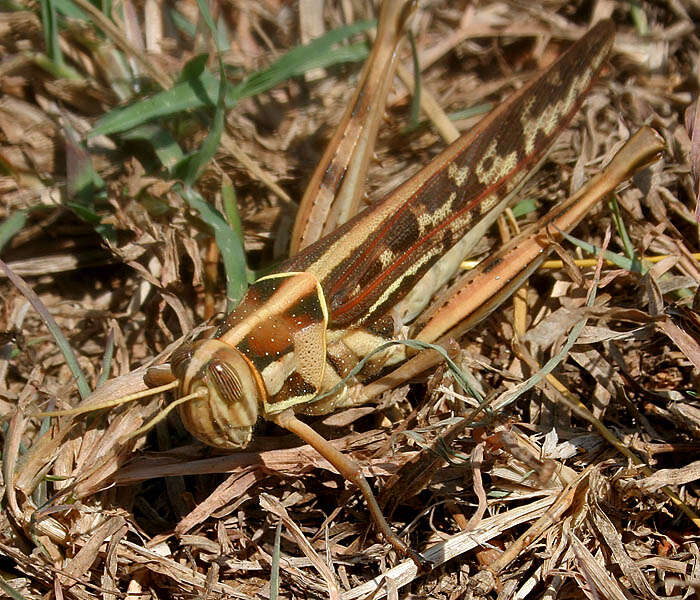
pixel 294 343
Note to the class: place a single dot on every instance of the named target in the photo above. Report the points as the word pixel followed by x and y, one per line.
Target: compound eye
pixel 225 380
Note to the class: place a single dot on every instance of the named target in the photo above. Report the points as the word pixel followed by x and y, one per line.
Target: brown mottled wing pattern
pixel 367 265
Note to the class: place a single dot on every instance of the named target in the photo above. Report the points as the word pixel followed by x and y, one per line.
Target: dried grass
pixel 584 486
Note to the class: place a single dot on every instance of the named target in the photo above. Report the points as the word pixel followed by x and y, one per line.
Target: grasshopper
pixel 297 334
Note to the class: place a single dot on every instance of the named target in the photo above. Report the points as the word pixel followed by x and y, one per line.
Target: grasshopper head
pixel 231 393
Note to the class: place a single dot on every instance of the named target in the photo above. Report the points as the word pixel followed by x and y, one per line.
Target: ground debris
pixel 583 486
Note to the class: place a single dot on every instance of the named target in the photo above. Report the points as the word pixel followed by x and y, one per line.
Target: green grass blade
pixel 620 226
pixel 52 326
pixel 10 591
pixel 188 28
pixel 237 261
pixel 208 20
pixel 167 150
pixel 524 207
pixel 202 90
pixel 275 566
pixel 297 62
pixel 228 242
pixel 197 162
pixel 186 95
pixel 464 379
pixel 50 23
pixel 629 264
pixel 12 225
pixel 630 251
pixel 70 9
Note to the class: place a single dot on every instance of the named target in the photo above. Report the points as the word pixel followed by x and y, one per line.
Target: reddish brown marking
pixel 370 287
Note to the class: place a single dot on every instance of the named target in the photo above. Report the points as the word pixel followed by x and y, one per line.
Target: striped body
pixel 334 298
pixel 367 265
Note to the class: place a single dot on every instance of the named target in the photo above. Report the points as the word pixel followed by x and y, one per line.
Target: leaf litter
pixel 584 485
